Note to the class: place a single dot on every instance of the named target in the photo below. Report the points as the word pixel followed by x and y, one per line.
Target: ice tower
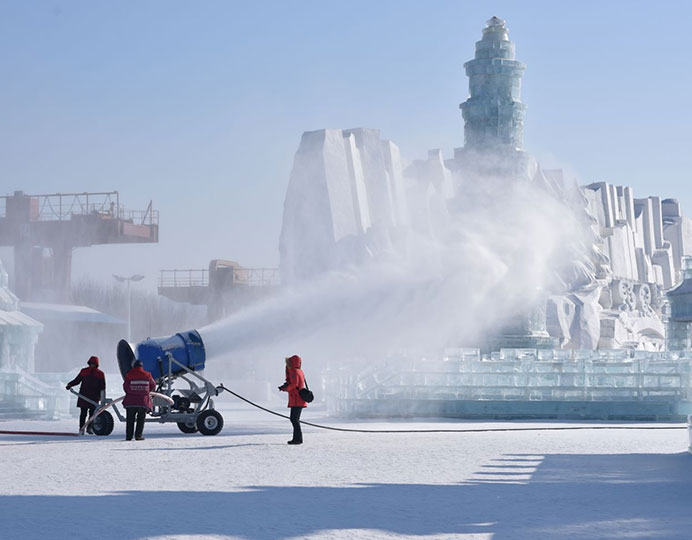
pixel 493 113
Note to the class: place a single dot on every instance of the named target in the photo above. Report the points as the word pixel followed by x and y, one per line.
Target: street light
pixel 121 279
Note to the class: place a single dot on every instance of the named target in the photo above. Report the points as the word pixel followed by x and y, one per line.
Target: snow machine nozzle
pixel 186 348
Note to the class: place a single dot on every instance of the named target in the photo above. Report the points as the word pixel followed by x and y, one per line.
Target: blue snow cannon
pixel 186 349
pixel 180 356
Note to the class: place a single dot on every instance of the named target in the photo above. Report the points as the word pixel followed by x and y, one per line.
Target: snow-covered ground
pixel 248 483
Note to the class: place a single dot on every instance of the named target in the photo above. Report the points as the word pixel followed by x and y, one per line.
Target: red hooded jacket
pixel 295 381
pixel 93 382
pixel 138 383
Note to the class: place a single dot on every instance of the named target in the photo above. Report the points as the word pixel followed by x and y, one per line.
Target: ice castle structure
pixel 18 332
pixel 351 198
pixel 22 393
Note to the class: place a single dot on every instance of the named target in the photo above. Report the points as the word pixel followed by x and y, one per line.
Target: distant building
pixel 71 334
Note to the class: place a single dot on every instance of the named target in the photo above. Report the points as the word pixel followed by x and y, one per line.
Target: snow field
pixel 247 483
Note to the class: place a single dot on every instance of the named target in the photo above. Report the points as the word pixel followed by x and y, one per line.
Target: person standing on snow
pixel 295 381
pixel 93 383
pixel 138 383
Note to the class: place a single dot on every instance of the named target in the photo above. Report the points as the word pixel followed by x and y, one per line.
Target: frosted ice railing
pixel 521 374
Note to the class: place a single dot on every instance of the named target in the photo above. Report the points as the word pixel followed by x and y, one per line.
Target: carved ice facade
pixel 22 392
pixel 18 331
pixel 350 198
pixel 345 195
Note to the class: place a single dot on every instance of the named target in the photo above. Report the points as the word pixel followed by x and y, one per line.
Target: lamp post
pixel 130 279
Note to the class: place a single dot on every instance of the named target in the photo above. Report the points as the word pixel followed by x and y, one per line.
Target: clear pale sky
pixel 200 106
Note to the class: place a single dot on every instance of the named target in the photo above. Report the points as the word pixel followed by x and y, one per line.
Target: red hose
pixel 61 433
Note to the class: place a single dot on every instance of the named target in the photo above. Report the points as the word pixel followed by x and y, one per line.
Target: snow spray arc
pixel 496 259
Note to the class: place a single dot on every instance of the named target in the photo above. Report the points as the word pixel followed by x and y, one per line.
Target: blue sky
pixel 201 105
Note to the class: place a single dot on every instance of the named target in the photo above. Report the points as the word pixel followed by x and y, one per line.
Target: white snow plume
pixel 500 250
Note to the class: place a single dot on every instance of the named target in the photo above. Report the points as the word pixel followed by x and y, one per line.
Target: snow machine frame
pixel 101 423
pixel 191 409
pixel 181 356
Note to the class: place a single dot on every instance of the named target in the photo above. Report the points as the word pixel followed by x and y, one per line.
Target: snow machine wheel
pixel 188 427
pixel 103 424
pixel 210 422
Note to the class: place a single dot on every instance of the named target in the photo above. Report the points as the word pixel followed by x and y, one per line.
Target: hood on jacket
pixel 93 360
pixel 294 361
pixel 137 372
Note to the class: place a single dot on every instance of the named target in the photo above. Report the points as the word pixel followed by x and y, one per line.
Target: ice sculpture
pixel 518 383
pixel 493 113
pixel 345 193
pixel 350 199
pixel 22 392
pixel 18 332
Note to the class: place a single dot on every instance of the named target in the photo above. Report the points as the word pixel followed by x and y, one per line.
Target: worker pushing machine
pixel 93 387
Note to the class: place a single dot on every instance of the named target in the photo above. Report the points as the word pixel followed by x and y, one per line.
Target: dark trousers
pixel 84 413
pixel 138 413
pixel 295 420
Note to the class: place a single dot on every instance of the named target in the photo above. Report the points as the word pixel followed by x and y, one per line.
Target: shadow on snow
pixel 513 497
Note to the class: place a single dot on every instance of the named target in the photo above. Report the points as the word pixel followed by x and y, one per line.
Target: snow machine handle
pixel 84 398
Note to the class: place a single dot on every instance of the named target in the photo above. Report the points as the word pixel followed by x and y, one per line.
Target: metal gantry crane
pixel 44 229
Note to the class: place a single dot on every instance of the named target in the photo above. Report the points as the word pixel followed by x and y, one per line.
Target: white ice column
pixel 375 174
pixel 627 202
pixel 358 190
pixel 438 174
pixel 319 208
pixel 621 250
pixel 595 205
pixel 429 196
pixel 392 160
pixel 644 212
pixel 663 258
pixel 614 204
pixel 602 189
pixel 657 221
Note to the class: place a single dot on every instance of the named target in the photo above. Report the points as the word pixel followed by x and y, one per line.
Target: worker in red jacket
pixel 295 381
pixel 93 383
pixel 138 383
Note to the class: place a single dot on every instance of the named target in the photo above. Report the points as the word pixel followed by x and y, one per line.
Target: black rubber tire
pixel 182 426
pixel 210 422
pixel 103 424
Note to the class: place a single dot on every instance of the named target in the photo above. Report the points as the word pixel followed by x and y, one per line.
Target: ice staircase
pixel 23 395
pixel 10 410
pixel 520 383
